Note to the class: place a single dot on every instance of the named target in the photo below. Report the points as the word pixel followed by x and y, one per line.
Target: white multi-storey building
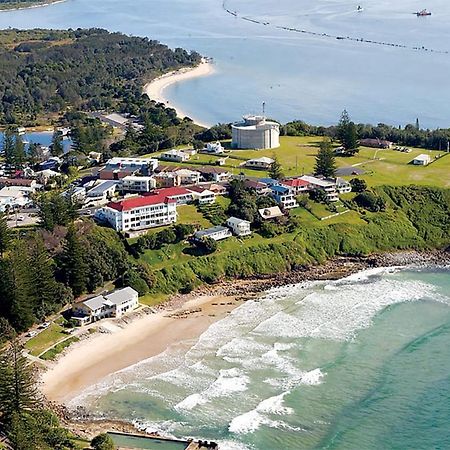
pixel 139 213
pixel 137 184
pixel 255 132
pixel 239 227
pixel 318 183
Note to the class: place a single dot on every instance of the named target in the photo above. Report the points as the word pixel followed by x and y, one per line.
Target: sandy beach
pixel 39 5
pixel 90 360
pixel 155 89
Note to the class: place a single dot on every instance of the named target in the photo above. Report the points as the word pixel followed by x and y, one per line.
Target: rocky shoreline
pixel 333 269
pixel 86 425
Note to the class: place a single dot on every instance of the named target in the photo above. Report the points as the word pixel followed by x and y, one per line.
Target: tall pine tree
pixel 57 147
pixel 18 393
pixel 276 171
pixel 46 290
pixel 74 268
pixel 5 235
pixel 325 161
pixel 16 293
pixel 347 134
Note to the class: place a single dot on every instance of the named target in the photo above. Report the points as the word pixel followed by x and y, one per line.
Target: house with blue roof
pixel 284 196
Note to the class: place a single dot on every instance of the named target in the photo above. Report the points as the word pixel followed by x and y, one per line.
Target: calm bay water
pixel 363 363
pixel 298 76
pixel 43 138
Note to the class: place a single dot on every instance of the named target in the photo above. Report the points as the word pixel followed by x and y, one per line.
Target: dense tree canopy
pixel 47 71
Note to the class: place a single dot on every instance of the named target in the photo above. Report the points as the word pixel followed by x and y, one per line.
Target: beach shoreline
pixel 40 5
pixel 184 318
pixel 156 88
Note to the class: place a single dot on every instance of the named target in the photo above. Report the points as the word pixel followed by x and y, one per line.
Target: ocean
pixel 305 76
pixel 360 363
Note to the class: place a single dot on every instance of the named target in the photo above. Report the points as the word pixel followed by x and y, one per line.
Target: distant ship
pixel 360 8
pixel 422 13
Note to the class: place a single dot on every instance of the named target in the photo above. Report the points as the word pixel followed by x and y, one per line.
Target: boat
pixel 360 8
pixel 422 13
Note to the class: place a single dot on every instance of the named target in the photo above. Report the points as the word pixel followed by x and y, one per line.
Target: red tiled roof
pixel 16 181
pixel 139 202
pixel 297 182
pixel 171 192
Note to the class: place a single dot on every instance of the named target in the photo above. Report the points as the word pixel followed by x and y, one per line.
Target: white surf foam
pixel 250 421
pixel 337 315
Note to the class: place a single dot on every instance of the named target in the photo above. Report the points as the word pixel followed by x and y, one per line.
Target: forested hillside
pixel 48 71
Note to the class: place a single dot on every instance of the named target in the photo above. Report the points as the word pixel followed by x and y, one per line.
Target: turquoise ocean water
pixel 362 363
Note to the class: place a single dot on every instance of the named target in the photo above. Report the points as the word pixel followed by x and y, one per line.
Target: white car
pixel 44 325
pixel 31 334
pixel 21 218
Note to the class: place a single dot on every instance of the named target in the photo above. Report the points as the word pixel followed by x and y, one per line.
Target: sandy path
pixel 155 89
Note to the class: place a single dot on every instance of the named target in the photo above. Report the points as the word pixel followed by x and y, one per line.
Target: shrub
pixel 358 185
pixel 103 442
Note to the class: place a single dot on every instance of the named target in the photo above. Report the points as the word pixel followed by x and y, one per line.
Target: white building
pixel 343 186
pixel 214 148
pixel 422 160
pixel 76 194
pixel 44 176
pixel 284 196
pixel 260 163
pixel 239 227
pixel 217 233
pixel 187 176
pixel 298 185
pixel 137 184
pixel 328 186
pixel 102 193
pixel 270 213
pixel 255 132
pixel 175 156
pixel 203 195
pixel 144 165
pixel 115 304
pixel 14 197
pixel 139 213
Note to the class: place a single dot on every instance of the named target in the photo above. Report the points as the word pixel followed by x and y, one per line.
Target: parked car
pixel 21 218
pixel 31 334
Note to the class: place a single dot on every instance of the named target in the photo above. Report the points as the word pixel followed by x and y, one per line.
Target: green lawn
pixel 45 339
pixel 297 156
pixel 153 299
pixel 189 214
pixel 58 348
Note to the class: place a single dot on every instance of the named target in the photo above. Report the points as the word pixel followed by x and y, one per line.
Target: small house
pixel 175 156
pixel 203 195
pixel 298 185
pixel 284 196
pixel 263 163
pixel 422 160
pixel 115 304
pixel 270 213
pixel 343 186
pixel 137 184
pixel 239 227
pixel 214 148
pixel 217 233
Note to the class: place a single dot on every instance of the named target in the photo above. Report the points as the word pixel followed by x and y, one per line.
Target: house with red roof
pixel 297 185
pixel 139 213
pixel 153 209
